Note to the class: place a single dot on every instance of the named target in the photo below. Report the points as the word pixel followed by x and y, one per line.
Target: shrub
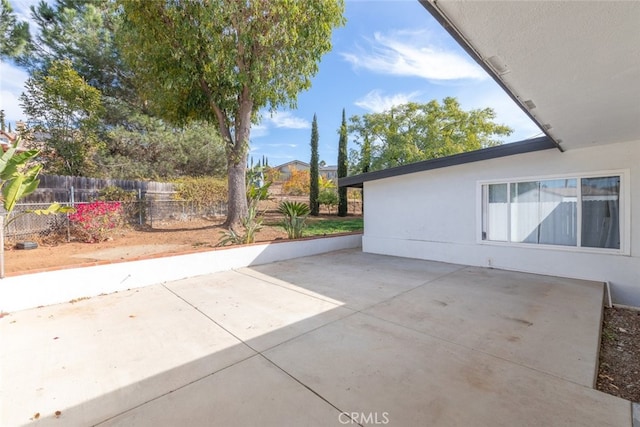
pixel 113 193
pixel 203 191
pixel 297 184
pixel 271 174
pixel 326 184
pixel 94 222
pixel 329 198
pixel 295 215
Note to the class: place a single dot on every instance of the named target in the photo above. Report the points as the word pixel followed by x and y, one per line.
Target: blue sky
pixel 389 52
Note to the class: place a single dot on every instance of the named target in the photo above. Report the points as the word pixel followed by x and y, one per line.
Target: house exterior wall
pixel 329 172
pixel 436 215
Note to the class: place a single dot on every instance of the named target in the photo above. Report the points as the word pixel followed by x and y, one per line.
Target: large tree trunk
pixel 237 163
pixel 237 204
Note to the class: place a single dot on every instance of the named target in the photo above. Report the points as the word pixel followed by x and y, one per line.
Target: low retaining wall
pixel 53 287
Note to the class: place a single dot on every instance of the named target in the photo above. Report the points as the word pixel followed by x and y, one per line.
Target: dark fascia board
pixel 432 8
pixel 520 147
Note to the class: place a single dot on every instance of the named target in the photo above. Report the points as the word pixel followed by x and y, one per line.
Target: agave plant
pixel 295 215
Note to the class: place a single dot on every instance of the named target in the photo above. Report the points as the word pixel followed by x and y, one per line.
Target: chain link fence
pixel 25 225
pixel 149 204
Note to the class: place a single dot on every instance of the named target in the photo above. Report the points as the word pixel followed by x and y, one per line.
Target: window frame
pixel 624 212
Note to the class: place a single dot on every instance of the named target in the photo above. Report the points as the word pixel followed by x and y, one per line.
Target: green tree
pixel 342 166
pixel 361 127
pixel 148 148
pixel 82 32
pixel 329 198
pixel 137 145
pixel 413 132
pixel 314 175
pixel 65 110
pixel 14 35
pixel 222 61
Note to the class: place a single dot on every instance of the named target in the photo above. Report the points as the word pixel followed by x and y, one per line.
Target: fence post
pixel 1 246
pixel 151 206
pixel 72 196
pixel 140 206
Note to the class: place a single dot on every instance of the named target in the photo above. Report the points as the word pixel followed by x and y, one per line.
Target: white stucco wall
pixel 435 215
pixel 52 287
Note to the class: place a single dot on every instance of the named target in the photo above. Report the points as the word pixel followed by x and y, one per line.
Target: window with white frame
pixel 576 211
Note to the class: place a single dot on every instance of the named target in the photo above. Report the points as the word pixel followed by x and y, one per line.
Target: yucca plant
pixel 295 215
pixel 252 223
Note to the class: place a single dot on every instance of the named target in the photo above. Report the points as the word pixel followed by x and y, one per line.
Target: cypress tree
pixel 314 188
pixel 342 166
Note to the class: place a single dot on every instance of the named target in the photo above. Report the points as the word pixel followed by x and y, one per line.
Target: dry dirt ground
pixel 130 243
pixel 619 372
pixel 162 239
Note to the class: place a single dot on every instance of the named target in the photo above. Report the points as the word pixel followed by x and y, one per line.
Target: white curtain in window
pixel 544 212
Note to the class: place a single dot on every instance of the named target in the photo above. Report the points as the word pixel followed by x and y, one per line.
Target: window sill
pixel 573 249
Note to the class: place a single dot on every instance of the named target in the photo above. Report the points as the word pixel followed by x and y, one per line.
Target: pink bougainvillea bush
pixel 96 221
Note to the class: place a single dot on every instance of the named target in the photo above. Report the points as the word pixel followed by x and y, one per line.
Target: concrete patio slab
pixel 536 321
pixel 357 279
pixel 252 393
pixel 98 357
pixel 366 365
pixel 257 312
pixel 336 339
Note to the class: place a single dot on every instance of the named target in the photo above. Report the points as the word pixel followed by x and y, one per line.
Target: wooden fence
pixel 69 189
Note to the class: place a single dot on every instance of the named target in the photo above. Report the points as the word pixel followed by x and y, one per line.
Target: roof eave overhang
pixel 514 148
pixel 438 15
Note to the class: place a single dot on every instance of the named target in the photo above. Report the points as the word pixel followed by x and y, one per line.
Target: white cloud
pixel 285 119
pixel 282 145
pixel 406 53
pixel 375 102
pixel 278 119
pixel 11 86
pixel 259 130
pixel 22 9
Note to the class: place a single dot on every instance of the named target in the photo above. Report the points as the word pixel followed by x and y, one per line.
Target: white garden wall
pixel 52 287
pixel 436 215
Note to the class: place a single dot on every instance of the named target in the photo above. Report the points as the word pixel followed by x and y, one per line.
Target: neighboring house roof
pixel 292 163
pixel 301 163
pixel 526 146
pixel 573 67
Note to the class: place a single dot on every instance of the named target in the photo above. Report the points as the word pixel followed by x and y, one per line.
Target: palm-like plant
pixel 252 223
pixel 295 215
